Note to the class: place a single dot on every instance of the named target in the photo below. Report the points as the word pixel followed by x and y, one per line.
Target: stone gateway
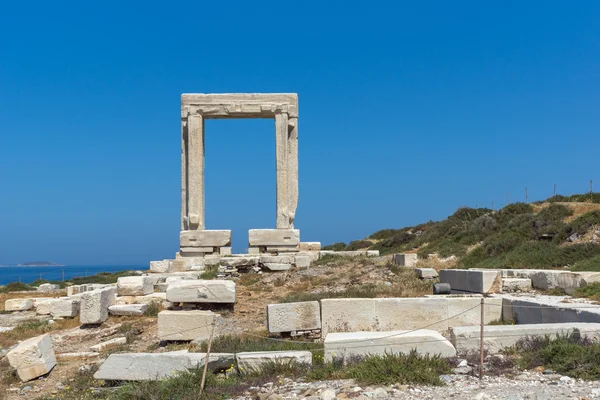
pixel 195 239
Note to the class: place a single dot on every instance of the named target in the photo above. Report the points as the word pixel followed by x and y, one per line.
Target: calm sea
pixel 29 274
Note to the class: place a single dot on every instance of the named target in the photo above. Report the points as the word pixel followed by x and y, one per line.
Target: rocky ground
pixel 531 386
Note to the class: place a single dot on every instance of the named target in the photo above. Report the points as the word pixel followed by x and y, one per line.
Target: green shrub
pixel 153 309
pixel 210 272
pixel 554 213
pixel 591 291
pixel 102 277
pixel 385 234
pixel 590 264
pixel 572 355
pixel 389 369
pixel 582 198
pixel 512 210
pixel 336 246
pixel 15 287
pixel 358 244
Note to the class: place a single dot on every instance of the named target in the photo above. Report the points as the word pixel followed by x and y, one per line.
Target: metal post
pixel 555 191
pixel 526 196
pixel 63 275
pixel 481 343
pixel 591 192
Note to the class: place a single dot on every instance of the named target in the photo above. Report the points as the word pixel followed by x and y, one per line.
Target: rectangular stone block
pixel 147 299
pixel 225 251
pixel 282 249
pixel 134 286
pixel 426 273
pixel 312 255
pixel 294 317
pixel 18 305
pixel 464 311
pixel 48 287
pixel 109 344
pixel 255 361
pixel 128 309
pixel 275 259
pixel 372 253
pixel 516 285
pixel 94 305
pixel 74 289
pixel 405 260
pixel 201 291
pixel 65 308
pixel 43 307
pixel 161 266
pixel 343 315
pixel 32 357
pixel 466 339
pixel 345 346
pixel 178 265
pixel 302 261
pixel 310 246
pixel 156 366
pixel 237 262
pixel 212 259
pixel 253 250
pixel 194 251
pixel 205 238
pixel 185 325
pixel 276 266
pixel 472 281
pixel 274 237
pixel 547 310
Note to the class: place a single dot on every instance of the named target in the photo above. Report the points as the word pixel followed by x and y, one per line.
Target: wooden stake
pixel 481 344
pixel 207 359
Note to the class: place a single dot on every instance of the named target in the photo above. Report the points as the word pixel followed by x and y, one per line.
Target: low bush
pixel 102 277
pixel 336 246
pixel 572 355
pixel 385 234
pixel 590 264
pixel 15 287
pixel 591 291
pixel 210 272
pixel 242 343
pixel 403 369
pixel 358 245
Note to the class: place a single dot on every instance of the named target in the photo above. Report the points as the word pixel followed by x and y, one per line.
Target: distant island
pixel 40 264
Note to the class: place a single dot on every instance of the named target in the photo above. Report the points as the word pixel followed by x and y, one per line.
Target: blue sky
pixel 408 110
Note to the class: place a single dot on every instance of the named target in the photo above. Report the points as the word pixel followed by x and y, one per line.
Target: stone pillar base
pixel 197 243
pixel 273 241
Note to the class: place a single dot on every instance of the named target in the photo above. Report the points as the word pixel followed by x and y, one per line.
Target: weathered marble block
pixel 94 305
pixel 64 308
pixel 161 266
pixel 201 291
pixel 185 325
pixel 33 357
pixel 293 317
pixel 128 309
pixel 274 237
pixel 205 238
pixel 153 366
pixel 256 360
pixel 134 286
pixel 18 305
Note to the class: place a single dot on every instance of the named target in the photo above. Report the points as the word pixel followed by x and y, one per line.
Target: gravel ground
pixel 530 386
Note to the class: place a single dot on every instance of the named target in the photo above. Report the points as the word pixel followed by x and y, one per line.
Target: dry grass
pixel 578 208
pixel 25 295
pixel 35 327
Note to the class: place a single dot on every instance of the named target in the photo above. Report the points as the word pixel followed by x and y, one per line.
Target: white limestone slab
pixel 18 304
pixel 153 366
pixel 134 286
pixel 466 339
pixel 185 325
pixel 347 345
pixel 109 344
pixel 274 237
pixel 201 291
pixel 472 281
pixel 94 305
pixel 205 238
pixel 65 308
pixel 32 357
pixel 161 266
pixel 128 309
pixel 293 317
pixel 256 360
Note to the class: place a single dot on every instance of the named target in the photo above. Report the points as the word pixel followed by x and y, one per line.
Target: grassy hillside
pixel 558 232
